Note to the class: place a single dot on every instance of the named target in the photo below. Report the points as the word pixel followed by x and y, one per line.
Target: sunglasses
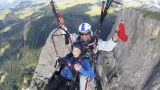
pixel 81 34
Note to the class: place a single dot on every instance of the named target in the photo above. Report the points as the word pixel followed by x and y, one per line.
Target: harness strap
pixel 86 84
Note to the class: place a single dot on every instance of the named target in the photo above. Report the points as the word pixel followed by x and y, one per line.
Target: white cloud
pixel 156 3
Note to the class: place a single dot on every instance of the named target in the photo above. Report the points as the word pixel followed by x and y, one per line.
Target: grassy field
pixel 2 50
pixel 24 13
pixel 6 29
pixel 3 13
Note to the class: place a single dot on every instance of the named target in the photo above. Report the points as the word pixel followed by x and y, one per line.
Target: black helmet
pixel 78 44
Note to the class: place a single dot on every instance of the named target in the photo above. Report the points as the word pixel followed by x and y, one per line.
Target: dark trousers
pixel 57 82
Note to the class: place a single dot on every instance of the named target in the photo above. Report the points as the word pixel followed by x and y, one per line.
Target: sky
pixel 155 3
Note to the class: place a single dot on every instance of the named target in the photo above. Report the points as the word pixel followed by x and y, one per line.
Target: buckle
pixel 67 83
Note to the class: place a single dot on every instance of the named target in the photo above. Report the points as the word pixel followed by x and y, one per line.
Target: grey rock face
pixel 139 57
pixel 153 82
pixel 107 71
pixel 47 60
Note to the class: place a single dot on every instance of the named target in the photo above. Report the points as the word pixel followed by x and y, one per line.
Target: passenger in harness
pixel 76 68
pixel 92 43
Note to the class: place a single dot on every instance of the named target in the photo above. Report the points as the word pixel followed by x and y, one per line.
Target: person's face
pixel 76 52
pixel 85 37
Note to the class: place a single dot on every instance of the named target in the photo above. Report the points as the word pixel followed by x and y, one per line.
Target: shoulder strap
pixel 78 38
pixel 92 42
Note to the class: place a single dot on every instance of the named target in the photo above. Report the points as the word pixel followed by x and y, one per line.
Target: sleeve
pixel 73 37
pixel 66 73
pixel 86 69
pixel 106 45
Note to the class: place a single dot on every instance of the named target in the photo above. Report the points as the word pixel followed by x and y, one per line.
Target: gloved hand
pixel 62 60
pixel 122 32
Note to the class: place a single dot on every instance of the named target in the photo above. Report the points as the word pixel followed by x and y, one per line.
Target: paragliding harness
pixel 89 45
pixel 74 83
pixel 57 82
pixel 61 23
pixel 106 5
pixel 105 8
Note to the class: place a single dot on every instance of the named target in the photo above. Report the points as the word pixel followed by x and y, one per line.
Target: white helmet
pixel 85 28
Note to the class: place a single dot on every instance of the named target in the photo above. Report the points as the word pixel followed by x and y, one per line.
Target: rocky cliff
pixel 47 60
pixel 139 58
pixel 151 5
pixel 131 66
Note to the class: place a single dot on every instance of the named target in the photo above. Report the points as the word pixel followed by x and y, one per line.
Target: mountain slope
pixel 24 31
pixel 21 40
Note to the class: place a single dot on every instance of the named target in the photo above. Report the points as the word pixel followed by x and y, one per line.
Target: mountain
pixel 23 4
pixel 143 4
pixel 8 4
pixel 21 40
pixel 24 31
pixel 4 4
pixel 139 58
